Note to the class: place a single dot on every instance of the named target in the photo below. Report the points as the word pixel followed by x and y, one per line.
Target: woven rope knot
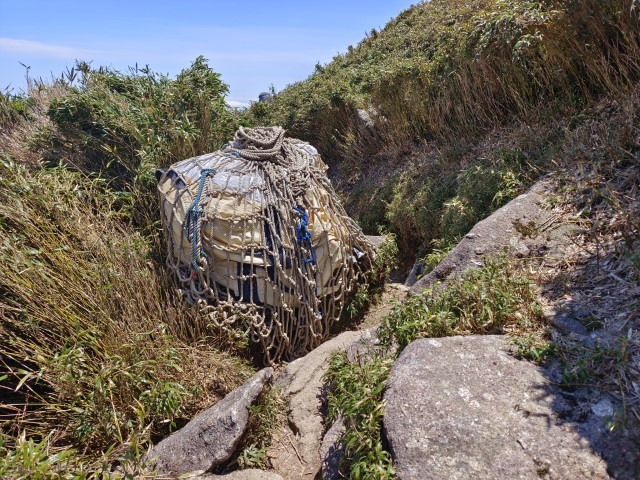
pixel 260 144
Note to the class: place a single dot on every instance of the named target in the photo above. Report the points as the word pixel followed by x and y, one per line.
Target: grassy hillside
pixel 97 355
pixel 428 125
pixel 449 111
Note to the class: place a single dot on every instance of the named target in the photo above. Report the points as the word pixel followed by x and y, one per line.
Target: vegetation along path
pixel 432 129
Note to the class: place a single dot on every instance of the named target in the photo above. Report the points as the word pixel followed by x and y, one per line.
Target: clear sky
pixel 252 44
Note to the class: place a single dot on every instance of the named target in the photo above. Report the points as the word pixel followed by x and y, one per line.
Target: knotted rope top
pixel 261 143
pixel 268 144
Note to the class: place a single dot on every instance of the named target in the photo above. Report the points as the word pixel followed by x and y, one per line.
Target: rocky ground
pixel 466 407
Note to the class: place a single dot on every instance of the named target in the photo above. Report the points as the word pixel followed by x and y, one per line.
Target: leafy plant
pixel 35 460
pixel 440 250
pixel 356 393
pixel 492 299
pixel 252 457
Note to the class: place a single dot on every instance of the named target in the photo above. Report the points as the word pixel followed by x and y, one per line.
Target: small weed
pixel 533 347
pixel 252 457
pixel 356 391
pixel 35 460
pixel 357 303
pixel 492 299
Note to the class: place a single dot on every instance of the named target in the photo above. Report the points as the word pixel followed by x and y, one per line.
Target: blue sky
pixel 252 44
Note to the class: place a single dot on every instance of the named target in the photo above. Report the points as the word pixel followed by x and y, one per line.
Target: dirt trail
pixel 294 453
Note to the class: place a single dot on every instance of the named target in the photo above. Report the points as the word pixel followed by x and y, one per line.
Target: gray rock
pixel 332 450
pixel 211 437
pixel 365 118
pixel 462 407
pixel 416 271
pixel 565 323
pixel 249 474
pixel 375 240
pixel 507 227
pixel 366 346
pixel 604 408
pixel 297 453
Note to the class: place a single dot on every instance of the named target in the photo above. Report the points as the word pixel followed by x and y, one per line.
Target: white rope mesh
pixel 257 238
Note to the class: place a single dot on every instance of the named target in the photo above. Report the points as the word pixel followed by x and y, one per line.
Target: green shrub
pixel 534 346
pixel 13 108
pixel 439 252
pixel 492 299
pixel 356 393
pixel 128 124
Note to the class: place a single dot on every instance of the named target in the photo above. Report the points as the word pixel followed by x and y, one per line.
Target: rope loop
pixel 193 222
pixel 259 144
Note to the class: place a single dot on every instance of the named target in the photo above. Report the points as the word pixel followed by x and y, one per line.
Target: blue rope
pixel 303 235
pixel 193 215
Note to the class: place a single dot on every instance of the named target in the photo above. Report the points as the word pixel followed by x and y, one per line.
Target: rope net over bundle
pixel 257 239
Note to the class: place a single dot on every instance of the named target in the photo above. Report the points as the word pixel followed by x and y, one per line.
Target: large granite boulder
pixel 463 407
pixel 519 226
pixel 210 438
pixel 249 474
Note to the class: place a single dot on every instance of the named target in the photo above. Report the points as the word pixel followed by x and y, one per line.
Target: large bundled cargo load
pixel 258 239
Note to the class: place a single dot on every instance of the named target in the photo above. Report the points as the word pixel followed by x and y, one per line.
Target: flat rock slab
pixel 249 474
pixel 296 452
pixel 211 437
pixel 463 407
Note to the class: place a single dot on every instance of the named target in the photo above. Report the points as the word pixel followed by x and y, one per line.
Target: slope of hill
pixel 455 107
pixel 428 126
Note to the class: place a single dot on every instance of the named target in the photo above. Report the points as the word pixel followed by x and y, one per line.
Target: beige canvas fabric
pixel 244 253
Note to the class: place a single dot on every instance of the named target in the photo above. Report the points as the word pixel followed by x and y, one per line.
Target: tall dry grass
pixel 98 356
pixel 521 57
pixel 93 346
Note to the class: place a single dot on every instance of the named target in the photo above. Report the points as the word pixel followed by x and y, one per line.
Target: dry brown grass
pixel 522 57
pixel 96 352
